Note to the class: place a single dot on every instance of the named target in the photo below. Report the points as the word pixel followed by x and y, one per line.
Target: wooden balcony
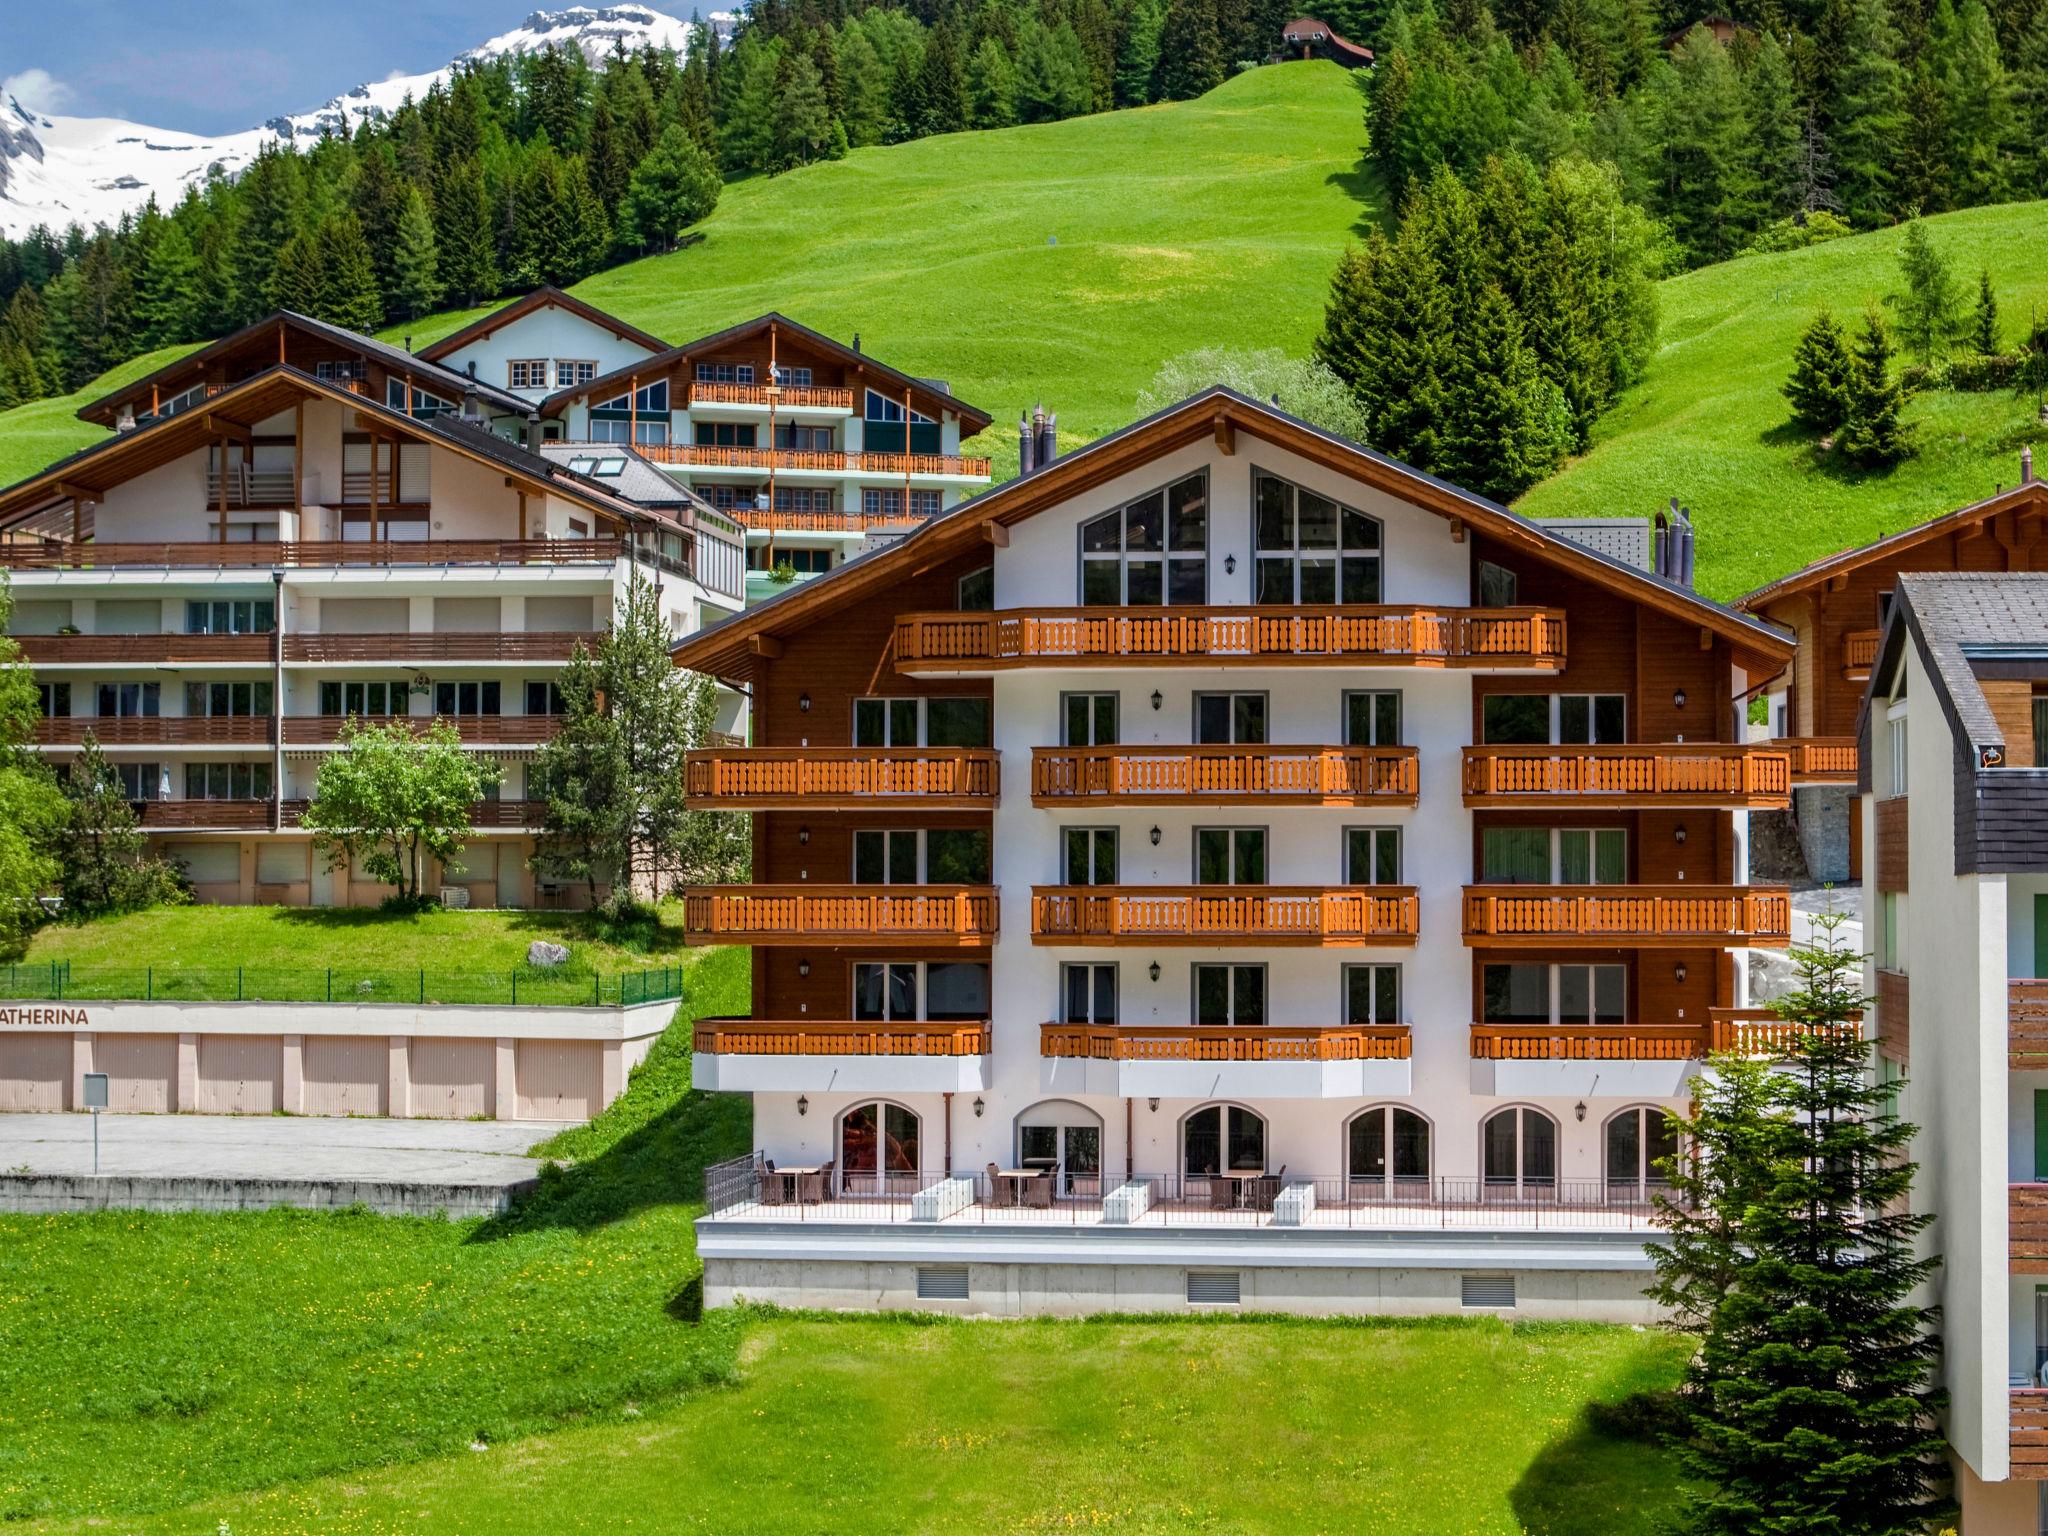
pixel 204 815
pixel 1272 1042
pixel 839 778
pixel 475 646
pixel 144 650
pixel 1260 775
pixel 828 461
pixel 1606 916
pixel 1210 915
pixel 1859 652
pixel 1820 759
pixel 263 555
pixel 1895 1015
pixel 823 915
pixel 1590 1042
pixel 1524 639
pixel 2026 1219
pixel 2030 1433
pixel 484 816
pixel 1759 1032
pixel 155 730
pixel 788 397
pixel 2026 1011
pixel 475 730
pixel 1663 775
pixel 819 1037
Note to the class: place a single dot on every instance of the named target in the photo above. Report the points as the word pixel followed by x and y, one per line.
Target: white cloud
pixel 38 90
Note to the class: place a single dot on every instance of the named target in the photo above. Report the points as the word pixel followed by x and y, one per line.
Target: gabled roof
pixel 724 648
pixel 972 418
pixel 2031 496
pixel 526 304
pixel 1953 619
pixel 430 376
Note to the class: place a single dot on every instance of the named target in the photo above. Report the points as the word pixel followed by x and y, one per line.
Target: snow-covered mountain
pixel 59 170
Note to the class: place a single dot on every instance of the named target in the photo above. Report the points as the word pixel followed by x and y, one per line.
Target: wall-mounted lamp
pixel 1678 971
pixel 1230 565
pixel 803 703
pixel 1678 834
pixel 1155 837
pixel 1157 698
pixel 1678 699
pixel 803 835
pixel 422 684
pixel 1155 1105
pixel 803 1105
pixel 979 1107
pixel 1155 970
pixel 1579 1111
pixel 803 967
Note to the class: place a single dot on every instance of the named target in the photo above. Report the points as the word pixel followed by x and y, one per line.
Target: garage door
pixel 142 1071
pixel 559 1079
pixel 347 1074
pixel 452 1079
pixel 240 1075
pixel 35 1071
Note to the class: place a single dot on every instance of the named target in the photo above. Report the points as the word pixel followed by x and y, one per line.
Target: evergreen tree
pixel 991 86
pixel 1979 108
pixel 1823 376
pixel 690 102
pixel 1504 424
pixel 2032 375
pixel 416 263
pixel 348 285
pixel 863 86
pixel 1872 434
pixel 32 807
pixel 802 123
pixel 1984 318
pixel 99 848
pixel 2028 95
pixel 1931 308
pixel 271 199
pixel 1868 111
pixel 1702 185
pixel 1387 334
pixel 297 277
pixel 1191 58
pixel 167 296
pixel 941 85
pixel 1773 124
pixel 673 188
pixel 464 246
pixel 556 78
pixel 1137 57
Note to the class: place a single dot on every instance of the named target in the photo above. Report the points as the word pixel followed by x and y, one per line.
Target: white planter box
pixel 1294 1205
pixel 943 1199
pixel 1126 1203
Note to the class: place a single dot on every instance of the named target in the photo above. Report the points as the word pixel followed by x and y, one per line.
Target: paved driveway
pixel 489 1152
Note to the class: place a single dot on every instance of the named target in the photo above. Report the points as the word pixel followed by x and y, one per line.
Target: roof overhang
pixel 541 298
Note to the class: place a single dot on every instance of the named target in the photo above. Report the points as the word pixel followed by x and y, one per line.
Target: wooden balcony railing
pixel 484 816
pixel 1661 915
pixel 2030 1433
pixel 2027 1228
pixel 475 730
pixel 2026 1009
pixel 946 915
pixel 817 1037
pixel 156 730
pixel 844 778
pixel 143 650
pixel 1222 914
pixel 250 487
pixel 477 646
pixel 1272 1042
pixel 1760 1032
pixel 308 552
pixel 1820 759
pixel 204 815
pixel 1859 651
pixel 1894 1015
pixel 1224 775
pixel 790 397
pixel 1432 637
pixel 831 461
pixel 1593 1042
pixel 1653 774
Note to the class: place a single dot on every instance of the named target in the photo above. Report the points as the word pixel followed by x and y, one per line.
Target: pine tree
pixel 1190 50
pixel 1984 319
pixel 1137 57
pixel 2028 94
pixel 1980 116
pixel 1823 376
pixel 1701 183
pixel 802 125
pixel 465 247
pixel 941 85
pixel 167 296
pixel 297 277
pixel 416 263
pixel 1931 308
pixel 1387 334
pixel 673 188
pixel 1868 111
pixel 991 86
pixel 271 199
pixel 348 284
pixel 1504 423
pixel 100 849
pixel 1773 127
pixel 1872 434
pixel 1922 165
pixel 863 86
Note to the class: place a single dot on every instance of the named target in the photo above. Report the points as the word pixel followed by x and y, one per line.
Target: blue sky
pixel 212 66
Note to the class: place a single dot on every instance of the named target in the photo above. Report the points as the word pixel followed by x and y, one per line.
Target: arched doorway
pixel 1518 1152
pixel 1065 1137
pixel 1387 1152
pixel 1222 1138
pixel 1634 1143
pixel 878 1149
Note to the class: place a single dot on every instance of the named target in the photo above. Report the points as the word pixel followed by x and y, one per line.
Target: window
pixel 338 372
pixel 528 372
pixel 1895 749
pixel 1372 855
pixel 422 403
pixel 1309 549
pixel 1599 719
pixel 1230 994
pixel 54 700
pixel 1554 856
pixel 1372 994
pixel 881 503
pixel 227 698
pixel 1088 994
pixel 801 439
pixel 1230 855
pixel 130 699
pixel 1388 1145
pixel 1064 1137
pixel 880 407
pixel 641 419
pixel 1538 719
pixel 364 698
pixel 725 373
pixel 1088 719
pixel 1372 719
pixel 1150 551
pixel 1223 1137
pixel 142 781
pixel 978 590
pixel 543 699
pixel 803 498
pixel 1515 719
pixel 876 1140
pixel 1088 856
pixel 1553 995
pixel 948 991
pixel 941 856
pixel 939 722
pixel 796 378
pixel 466 698
pixel 1230 719
pixel 2040 731
pixel 1519 1150
pixel 724 434
pixel 572 370
pixel 227 781
pixel 241 616
pixel 1499 587
pixel 1638 1140
pixel 1891 953
pixel 924 503
pixel 810 561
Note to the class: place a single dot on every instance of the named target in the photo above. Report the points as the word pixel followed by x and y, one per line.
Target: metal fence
pixel 536 987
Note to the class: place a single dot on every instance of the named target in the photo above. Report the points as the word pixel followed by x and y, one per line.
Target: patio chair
pixel 1265 1190
pixel 774 1186
pixel 997 1192
pixel 1222 1192
pixel 811 1187
pixel 1037 1192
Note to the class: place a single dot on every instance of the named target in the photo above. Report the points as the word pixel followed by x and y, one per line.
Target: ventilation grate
pixel 1486 1290
pixel 942 1282
pixel 1217 1287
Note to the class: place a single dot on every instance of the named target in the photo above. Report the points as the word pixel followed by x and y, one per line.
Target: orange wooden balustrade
pixel 1859 651
pixel 1224 775
pixel 1588 1042
pixel 814 1037
pixel 46 650
pixel 480 646
pixel 1760 1032
pixel 2026 1008
pixel 1492 637
pixel 1216 914
pixel 840 914
pixel 1677 915
pixel 475 730
pixel 154 730
pixel 1660 773
pixel 833 461
pixel 308 552
pixel 1821 759
pixel 793 397
pixel 1272 1042
pixel 2030 1435
pixel 230 815
pixel 763 778
pixel 2027 1227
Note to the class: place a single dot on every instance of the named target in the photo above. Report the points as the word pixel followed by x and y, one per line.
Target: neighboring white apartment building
pixel 1954 747
pixel 1225 865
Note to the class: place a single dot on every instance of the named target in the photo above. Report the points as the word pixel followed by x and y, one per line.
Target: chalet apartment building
pixel 1955 845
pixel 1227 865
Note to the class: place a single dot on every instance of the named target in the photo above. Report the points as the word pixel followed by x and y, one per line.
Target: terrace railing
pixel 1214 914
pixel 752 778
pixel 264 554
pixel 152 730
pixel 2026 1007
pixel 62 981
pixel 1627 914
pixel 1254 775
pixel 1660 774
pixel 1821 759
pixel 1278 1042
pixel 479 646
pixel 820 1037
pixel 844 914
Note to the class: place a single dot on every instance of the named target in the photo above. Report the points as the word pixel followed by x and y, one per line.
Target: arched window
pixel 1637 1141
pixel 1222 1138
pixel 1387 1147
pixel 1065 1137
pixel 878 1149
pixel 1519 1150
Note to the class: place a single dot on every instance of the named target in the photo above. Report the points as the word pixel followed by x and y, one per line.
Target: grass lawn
pixel 1709 426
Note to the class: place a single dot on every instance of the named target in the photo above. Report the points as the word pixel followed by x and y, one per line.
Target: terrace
pixel 58 555
pixel 864 915
pixel 1663 775
pixel 1212 914
pixel 1820 759
pixel 742 778
pixel 1506 916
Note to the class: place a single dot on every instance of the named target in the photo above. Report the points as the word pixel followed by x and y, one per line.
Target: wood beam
pixel 75 491
pixel 996 534
pixel 217 426
pixel 1457 530
pixel 1706 638
pixel 1226 437
pixel 765 645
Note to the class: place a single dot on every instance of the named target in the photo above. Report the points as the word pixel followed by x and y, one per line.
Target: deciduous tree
pixel 390 798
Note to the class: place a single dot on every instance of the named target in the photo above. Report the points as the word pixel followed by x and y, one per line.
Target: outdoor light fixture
pixel 1156 699
pixel 979 1107
pixel 1678 971
pixel 1155 837
pixel 1155 1105
pixel 1678 699
pixel 1155 970
pixel 803 1105
pixel 803 703
pixel 803 967
pixel 1678 834
pixel 1230 565
pixel 1579 1109
pixel 803 835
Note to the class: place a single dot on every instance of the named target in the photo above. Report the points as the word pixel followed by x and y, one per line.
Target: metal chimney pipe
pixel 2027 464
pixel 533 431
pixel 1048 438
pixel 1685 547
pixel 1026 443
